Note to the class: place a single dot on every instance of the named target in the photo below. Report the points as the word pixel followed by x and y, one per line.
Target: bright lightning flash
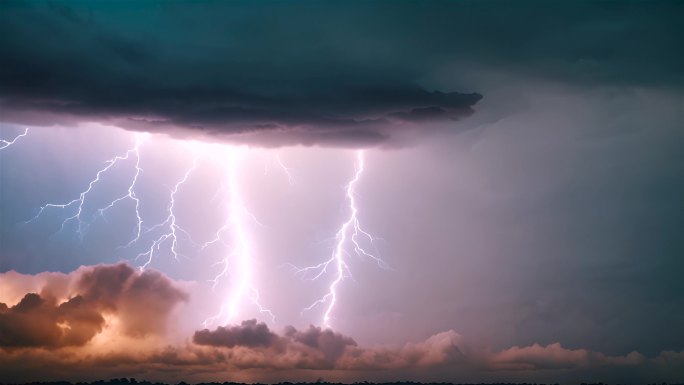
pixel 6 143
pixel 347 237
pixel 238 264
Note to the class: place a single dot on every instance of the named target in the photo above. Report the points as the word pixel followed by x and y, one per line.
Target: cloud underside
pixel 81 70
pixel 113 319
pixel 380 116
pixel 325 73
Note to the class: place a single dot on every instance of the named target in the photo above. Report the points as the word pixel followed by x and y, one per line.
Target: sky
pixel 349 191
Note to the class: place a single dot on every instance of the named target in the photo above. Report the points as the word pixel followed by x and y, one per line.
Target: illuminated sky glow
pixel 369 191
pixel 346 239
pixel 237 266
pixel 211 217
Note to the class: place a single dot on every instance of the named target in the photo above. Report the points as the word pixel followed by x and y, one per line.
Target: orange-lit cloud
pixel 70 310
pixel 112 320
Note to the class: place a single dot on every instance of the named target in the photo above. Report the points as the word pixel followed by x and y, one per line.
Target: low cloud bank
pixel 316 348
pixel 111 321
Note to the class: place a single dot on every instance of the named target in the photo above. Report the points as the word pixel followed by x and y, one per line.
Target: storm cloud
pixel 249 333
pixel 40 322
pixel 74 64
pixel 44 336
pixel 253 344
pixel 312 73
pixel 312 348
pixel 70 310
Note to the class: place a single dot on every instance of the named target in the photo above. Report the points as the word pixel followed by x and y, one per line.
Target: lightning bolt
pixel 346 237
pixel 169 223
pixel 237 266
pixel 130 192
pixel 6 143
pixel 279 162
pixel 286 170
pixel 82 225
pixel 238 262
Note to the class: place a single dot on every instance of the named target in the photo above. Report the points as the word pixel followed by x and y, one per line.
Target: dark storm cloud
pixel 311 348
pixel 250 333
pixel 141 302
pixel 253 344
pixel 330 343
pixel 315 73
pixel 83 63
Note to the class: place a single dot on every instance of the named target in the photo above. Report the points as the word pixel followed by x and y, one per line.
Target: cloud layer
pixel 316 348
pixel 72 316
pixel 66 64
pixel 111 320
pixel 313 73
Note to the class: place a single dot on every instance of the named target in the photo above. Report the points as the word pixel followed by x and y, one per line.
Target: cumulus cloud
pixel 65 329
pixel 71 309
pixel 253 344
pixel 143 301
pixel 554 356
pixel 40 322
pixel 441 349
pixel 249 333
pixel 313 348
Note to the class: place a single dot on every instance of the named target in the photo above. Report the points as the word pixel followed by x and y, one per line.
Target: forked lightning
pixel 346 237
